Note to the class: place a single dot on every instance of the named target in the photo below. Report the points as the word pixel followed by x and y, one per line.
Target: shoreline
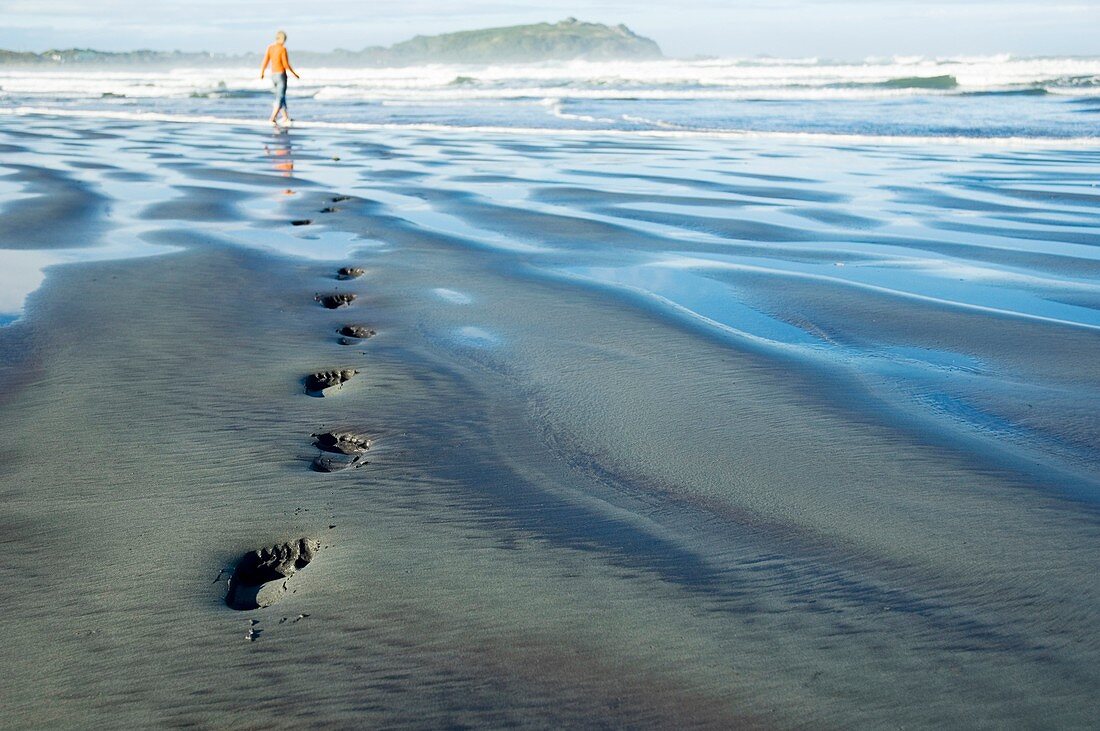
pixel 809 138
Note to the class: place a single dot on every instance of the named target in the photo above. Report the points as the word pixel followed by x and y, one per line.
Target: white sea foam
pixel 794 137
pixel 919 97
pixel 667 79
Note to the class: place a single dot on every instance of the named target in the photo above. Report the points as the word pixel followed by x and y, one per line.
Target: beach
pixel 666 429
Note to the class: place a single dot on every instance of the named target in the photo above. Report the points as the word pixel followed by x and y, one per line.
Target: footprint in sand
pixel 351 334
pixel 261 576
pixel 343 450
pixel 301 222
pixel 317 383
pixel 350 272
pixel 336 299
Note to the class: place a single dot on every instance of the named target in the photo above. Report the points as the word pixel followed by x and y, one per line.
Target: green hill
pixel 564 41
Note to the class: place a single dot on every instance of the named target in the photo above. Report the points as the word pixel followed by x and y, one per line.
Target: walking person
pixel 277 58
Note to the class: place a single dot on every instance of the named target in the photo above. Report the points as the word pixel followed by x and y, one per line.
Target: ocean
pixel 995 97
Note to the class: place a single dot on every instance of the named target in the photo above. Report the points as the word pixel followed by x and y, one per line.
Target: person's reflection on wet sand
pixel 281 152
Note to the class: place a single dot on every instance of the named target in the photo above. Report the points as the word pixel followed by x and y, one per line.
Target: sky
pixel 842 29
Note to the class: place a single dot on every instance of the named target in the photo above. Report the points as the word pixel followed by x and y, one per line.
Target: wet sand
pixel 641 453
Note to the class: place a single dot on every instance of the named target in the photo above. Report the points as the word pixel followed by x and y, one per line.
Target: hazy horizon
pixel 843 29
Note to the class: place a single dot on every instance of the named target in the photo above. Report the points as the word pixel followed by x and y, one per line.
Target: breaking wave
pixel 993 96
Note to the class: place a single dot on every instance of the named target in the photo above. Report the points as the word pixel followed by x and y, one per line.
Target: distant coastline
pixel 567 40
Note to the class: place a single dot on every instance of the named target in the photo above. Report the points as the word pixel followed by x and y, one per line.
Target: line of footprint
pixel 261 577
pixel 340 450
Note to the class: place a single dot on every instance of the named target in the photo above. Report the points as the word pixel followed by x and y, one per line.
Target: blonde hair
pixel 280 33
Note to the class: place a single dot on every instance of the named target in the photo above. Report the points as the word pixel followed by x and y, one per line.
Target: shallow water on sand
pixel 688 432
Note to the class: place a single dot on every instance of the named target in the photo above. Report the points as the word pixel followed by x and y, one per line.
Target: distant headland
pixel 568 40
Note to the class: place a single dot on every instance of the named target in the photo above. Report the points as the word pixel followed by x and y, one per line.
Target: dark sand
pixel 583 506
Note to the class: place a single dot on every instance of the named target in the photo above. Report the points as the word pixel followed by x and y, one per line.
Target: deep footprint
pixel 333 301
pixel 341 442
pixel 316 383
pixel 359 332
pixel 261 577
pixel 345 450
pixel 350 272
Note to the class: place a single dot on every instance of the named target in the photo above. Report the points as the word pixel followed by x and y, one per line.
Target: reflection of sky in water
pixel 705 286
pixel 699 296
pixel 315 243
pixel 22 272
pixel 868 218
pixel 421 213
pixel 10 191
pixel 761 184
pixel 936 283
pixel 475 337
pixel 453 296
pixel 941 383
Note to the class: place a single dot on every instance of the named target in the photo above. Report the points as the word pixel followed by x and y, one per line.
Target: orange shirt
pixel 276 56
